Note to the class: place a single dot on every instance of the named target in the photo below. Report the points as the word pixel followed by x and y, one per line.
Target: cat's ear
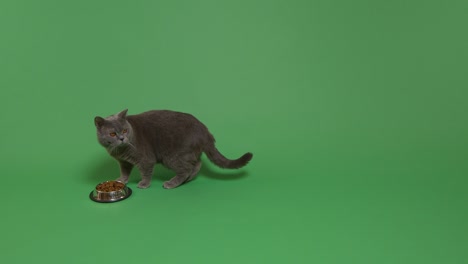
pixel 98 121
pixel 123 114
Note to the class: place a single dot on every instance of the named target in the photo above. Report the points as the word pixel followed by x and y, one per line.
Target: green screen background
pixel 356 112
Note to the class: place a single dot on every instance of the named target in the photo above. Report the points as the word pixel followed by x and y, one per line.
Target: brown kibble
pixel 110 186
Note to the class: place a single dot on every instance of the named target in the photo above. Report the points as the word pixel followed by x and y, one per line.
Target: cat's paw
pixel 169 185
pixel 144 184
pixel 123 180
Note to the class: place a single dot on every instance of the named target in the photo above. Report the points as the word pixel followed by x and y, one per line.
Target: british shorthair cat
pixel 174 139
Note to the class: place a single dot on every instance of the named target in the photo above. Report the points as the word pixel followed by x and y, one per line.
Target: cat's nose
pixel 121 138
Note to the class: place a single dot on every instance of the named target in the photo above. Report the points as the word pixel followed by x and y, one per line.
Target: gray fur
pixel 174 139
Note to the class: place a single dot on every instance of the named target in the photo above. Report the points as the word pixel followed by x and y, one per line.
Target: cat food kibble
pixel 110 186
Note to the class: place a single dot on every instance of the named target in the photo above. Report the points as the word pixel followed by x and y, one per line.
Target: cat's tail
pixel 217 158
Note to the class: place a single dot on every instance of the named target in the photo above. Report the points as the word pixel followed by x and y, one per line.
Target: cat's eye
pixel 113 134
pixel 124 131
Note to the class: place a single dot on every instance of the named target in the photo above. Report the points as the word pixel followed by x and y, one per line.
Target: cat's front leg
pixel 146 171
pixel 125 170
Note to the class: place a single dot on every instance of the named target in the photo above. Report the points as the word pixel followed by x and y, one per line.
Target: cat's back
pixel 164 119
pixel 168 131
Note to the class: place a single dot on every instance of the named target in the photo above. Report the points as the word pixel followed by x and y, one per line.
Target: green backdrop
pixel 355 112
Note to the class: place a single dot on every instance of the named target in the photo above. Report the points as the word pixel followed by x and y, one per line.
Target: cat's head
pixel 113 131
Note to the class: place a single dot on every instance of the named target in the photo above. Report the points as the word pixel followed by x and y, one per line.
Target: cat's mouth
pixel 122 143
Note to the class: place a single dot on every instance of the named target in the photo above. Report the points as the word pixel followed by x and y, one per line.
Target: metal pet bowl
pixel 110 191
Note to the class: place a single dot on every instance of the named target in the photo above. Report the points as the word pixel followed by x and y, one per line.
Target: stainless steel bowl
pixel 110 197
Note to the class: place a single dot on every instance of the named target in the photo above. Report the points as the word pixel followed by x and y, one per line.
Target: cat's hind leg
pixel 185 167
pixel 176 180
pixel 194 172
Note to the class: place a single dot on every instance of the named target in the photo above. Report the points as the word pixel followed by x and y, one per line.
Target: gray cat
pixel 174 139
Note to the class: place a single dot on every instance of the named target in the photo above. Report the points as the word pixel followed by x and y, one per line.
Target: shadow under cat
pixel 105 169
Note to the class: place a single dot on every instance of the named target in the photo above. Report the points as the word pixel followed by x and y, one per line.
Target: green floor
pixel 356 112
